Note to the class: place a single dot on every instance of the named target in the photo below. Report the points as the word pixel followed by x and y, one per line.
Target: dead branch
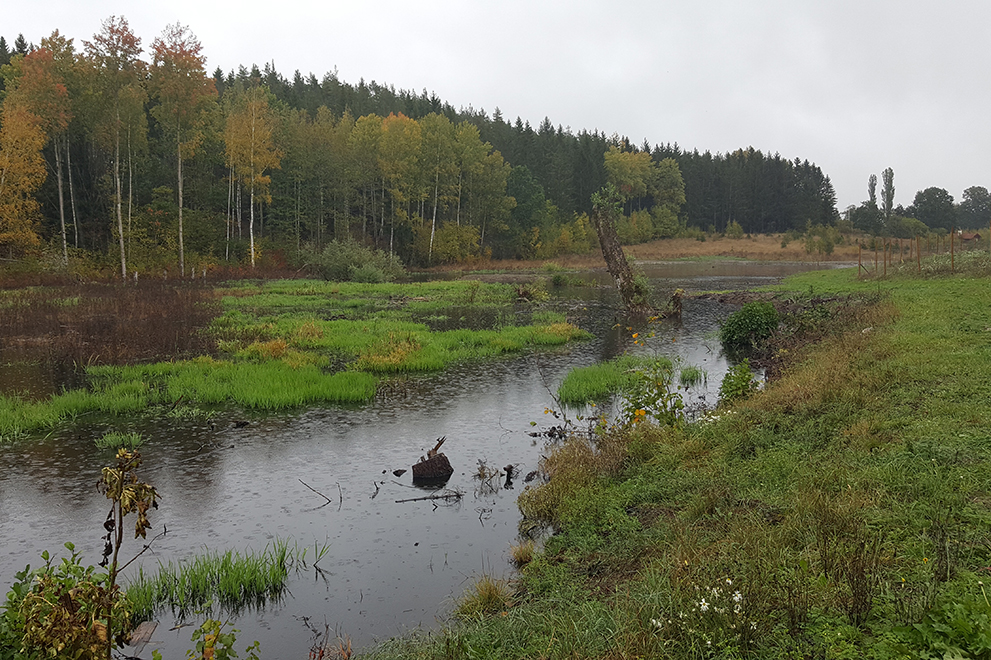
pixel 444 495
pixel 316 491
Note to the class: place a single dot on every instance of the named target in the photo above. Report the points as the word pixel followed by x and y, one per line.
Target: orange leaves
pixel 40 88
pixel 181 86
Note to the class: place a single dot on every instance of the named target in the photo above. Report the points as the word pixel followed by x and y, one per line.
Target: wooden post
pixel 860 264
pixel 875 256
pixel 918 252
pixel 951 249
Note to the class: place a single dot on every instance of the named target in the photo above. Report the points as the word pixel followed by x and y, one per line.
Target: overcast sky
pixel 853 85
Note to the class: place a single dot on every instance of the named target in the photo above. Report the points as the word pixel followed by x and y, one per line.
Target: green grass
pixel 582 385
pixel 692 376
pixel 118 440
pixel 840 513
pixel 231 580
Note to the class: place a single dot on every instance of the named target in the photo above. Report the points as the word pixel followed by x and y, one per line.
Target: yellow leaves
pixel 22 171
pixel 248 137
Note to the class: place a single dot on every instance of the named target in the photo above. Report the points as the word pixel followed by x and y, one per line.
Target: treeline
pixel 931 210
pixel 156 163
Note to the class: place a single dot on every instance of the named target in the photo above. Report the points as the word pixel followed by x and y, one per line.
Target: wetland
pixel 261 460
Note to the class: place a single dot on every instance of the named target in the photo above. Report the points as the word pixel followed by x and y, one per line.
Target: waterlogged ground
pixel 389 566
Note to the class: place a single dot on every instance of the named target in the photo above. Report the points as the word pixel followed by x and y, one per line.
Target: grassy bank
pixel 291 343
pixel 840 513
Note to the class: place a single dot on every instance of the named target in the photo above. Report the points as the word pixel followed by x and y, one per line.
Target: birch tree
pixel 114 53
pixel 185 97
pixel 34 81
pixel 251 149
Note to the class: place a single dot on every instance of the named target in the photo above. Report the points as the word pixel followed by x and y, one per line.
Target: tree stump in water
pixel 435 468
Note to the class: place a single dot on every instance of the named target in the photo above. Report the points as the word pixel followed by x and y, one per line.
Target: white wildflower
pixel 737 597
pixel 703 606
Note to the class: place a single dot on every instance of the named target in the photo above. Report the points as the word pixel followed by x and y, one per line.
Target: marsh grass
pixel 108 323
pixel 118 440
pixel 232 580
pixel 843 503
pixel 284 344
pixel 692 376
pixel 582 385
pixel 522 553
pixel 487 596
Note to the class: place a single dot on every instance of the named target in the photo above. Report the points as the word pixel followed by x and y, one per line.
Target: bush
pixel 345 261
pixel 59 610
pixel 748 326
pixel 738 383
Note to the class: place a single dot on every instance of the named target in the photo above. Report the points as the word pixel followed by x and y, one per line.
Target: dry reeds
pixel 107 324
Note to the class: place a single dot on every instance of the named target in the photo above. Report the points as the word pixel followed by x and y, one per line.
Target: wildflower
pixel 729 582
pixel 753 625
pixel 703 606
pixel 657 624
pixel 737 596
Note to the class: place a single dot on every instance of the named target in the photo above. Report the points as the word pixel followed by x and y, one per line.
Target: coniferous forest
pixel 131 155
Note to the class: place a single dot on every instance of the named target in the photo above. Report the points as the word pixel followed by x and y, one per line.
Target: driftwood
pixel 446 495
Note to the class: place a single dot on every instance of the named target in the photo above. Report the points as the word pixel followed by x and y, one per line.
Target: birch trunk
pixel 61 201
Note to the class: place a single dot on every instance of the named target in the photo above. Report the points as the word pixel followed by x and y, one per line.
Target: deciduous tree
pixel 37 81
pixel 250 147
pixel 185 98
pixel 934 206
pixel 114 53
pixel 22 171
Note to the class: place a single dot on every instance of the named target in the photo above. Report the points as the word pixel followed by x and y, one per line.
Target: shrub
pixel 59 610
pixel 748 326
pixel 343 261
pixel 738 383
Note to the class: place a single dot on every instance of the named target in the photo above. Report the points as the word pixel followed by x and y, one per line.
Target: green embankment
pixel 841 513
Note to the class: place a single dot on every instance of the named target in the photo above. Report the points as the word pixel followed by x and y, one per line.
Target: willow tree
pixel 250 147
pixel 185 97
pixel 607 205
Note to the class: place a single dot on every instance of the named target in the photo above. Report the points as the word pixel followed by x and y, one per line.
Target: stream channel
pixel 389 567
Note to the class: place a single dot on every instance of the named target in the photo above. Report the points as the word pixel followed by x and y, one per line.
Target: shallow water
pixel 390 566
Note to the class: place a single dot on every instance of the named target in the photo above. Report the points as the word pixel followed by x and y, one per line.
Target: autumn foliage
pixel 22 171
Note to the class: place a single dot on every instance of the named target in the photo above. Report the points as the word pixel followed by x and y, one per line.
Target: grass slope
pixel 841 513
